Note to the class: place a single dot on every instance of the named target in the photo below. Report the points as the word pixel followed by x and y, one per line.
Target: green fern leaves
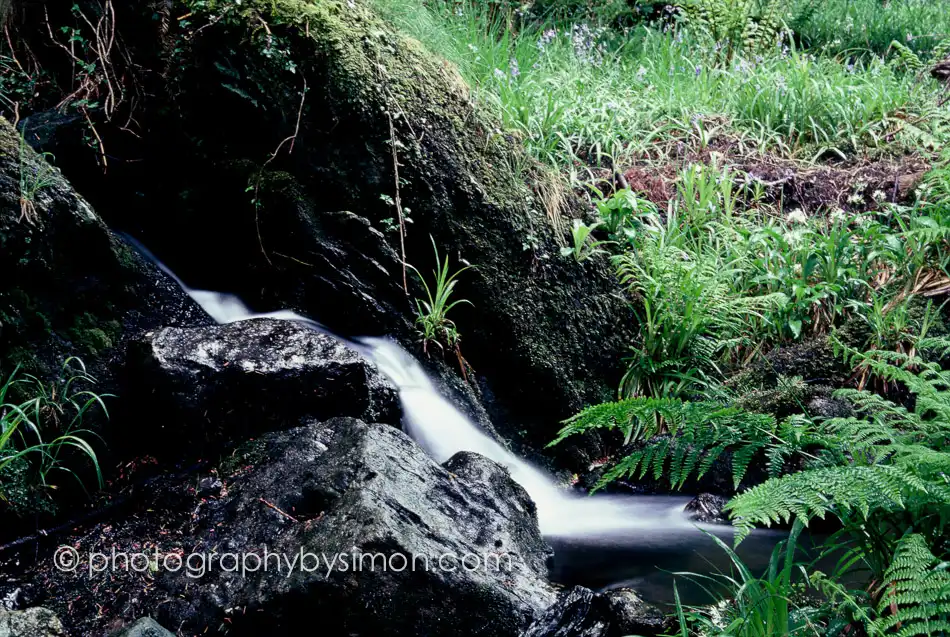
pixel 678 439
pixel 915 598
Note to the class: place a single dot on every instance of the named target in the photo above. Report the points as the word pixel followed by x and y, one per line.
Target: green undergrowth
pixel 581 93
pixel 44 437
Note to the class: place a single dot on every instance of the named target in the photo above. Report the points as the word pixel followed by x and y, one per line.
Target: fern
pixel 889 467
pixel 915 596
pixel 738 26
pixel 694 436
pixel 905 58
pixel 688 311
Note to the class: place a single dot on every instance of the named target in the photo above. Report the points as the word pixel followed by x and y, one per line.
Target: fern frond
pixel 915 595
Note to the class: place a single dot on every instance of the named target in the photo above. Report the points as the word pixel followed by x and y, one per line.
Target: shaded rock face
pixel 583 613
pixel 540 324
pixel 344 488
pixel 34 622
pixel 708 508
pixel 229 382
pixel 145 627
pixel 70 287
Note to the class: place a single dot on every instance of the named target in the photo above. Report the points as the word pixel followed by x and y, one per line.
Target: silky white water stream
pixel 442 430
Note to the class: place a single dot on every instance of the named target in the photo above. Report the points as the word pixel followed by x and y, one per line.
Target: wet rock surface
pixel 145 627
pixel 229 382
pixel 580 612
pixel 708 508
pixel 341 487
pixel 321 232
pixel 33 622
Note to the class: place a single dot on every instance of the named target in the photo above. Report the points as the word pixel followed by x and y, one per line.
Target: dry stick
pixel 402 223
pixel 283 513
pixel 6 31
pixel 102 148
pixel 257 186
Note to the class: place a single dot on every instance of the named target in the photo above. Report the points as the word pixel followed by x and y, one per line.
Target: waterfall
pixel 442 430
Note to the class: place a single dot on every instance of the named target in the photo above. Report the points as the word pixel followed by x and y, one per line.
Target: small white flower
pixel 878 196
pixel 837 215
pixel 797 216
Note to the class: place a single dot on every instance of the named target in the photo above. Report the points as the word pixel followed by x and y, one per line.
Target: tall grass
pixel 580 92
pixel 45 429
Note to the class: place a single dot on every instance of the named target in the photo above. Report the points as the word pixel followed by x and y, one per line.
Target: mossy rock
pixel 71 288
pixel 299 216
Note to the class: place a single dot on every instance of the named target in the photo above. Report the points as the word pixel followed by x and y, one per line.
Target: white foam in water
pixel 442 430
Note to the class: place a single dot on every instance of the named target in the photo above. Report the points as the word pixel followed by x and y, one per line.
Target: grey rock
pixel 210 487
pixel 231 381
pixel 708 507
pixel 573 615
pixel 630 615
pixel 33 622
pixel 580 612
pixel 829 407
pixel 144 627
pixel 342 486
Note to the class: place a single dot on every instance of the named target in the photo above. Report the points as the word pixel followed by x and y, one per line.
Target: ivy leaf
pixel 796 326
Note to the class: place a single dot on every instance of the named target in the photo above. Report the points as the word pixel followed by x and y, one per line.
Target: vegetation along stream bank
pixel 488 318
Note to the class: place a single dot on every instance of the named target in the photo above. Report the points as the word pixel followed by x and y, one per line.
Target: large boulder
pixel 230 382
pixel 417 549
pixel 279 127
pixel 70 287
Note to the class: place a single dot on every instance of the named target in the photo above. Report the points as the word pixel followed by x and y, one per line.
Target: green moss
pixel 373 70
pixel 19 493
pixel 247 453
pixel 91 336
pixel 91 342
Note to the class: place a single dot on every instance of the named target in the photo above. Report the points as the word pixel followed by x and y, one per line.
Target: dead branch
pixel 398 200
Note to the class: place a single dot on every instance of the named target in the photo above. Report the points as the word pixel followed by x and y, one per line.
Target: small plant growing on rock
pixel 432 320
pixel 584 244
pixel 34 177
pixel 37 433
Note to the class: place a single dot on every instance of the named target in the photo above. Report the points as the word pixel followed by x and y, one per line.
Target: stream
pixel 600 541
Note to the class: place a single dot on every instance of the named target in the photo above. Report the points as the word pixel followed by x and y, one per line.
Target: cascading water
pixel 599 541
pixel 442 430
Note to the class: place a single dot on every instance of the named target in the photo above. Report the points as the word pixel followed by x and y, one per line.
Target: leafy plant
pixel 890 462
pixel 35 176
pixel 914 596
pixel 585 246
pixel 736 25
pixel 435 327
pixel 687 305
pixel 620 212
pixel 42 428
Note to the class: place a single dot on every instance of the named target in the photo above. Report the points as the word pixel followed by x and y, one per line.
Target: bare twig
pixel 398 200
pixel 6 31
pixel 102 148
pixel 257 185
pixel 282 512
